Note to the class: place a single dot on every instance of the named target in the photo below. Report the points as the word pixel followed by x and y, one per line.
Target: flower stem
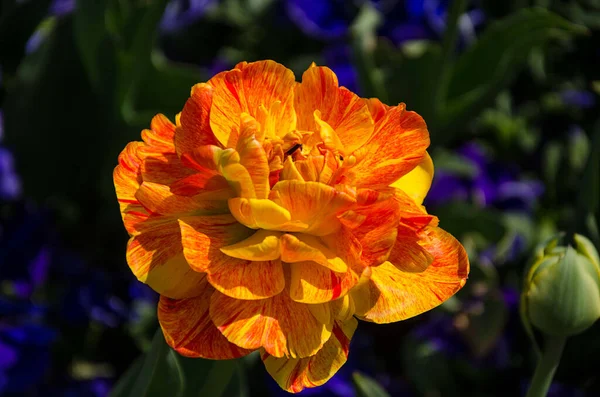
pixel 546 367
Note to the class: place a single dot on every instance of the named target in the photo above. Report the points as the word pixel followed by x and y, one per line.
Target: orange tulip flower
pixel 274 214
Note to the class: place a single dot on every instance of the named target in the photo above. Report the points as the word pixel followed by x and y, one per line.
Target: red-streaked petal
pixel 189 330
pixel 195 123
pixel 294 375
pixel 159 199
pixel 278 324
pixel 253 156
pixel 344 111
pixel 155 256
pixel 378 230
pixel 244 90
pixel 161 134
pixel 313 204
pixel 247 280
pixel 393 295
pixel 127 180
pixel 204 236
pixel 261 214
pixel 397 146
pixel 313 283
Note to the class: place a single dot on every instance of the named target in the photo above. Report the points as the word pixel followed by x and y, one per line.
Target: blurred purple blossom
pixel 492 183
pixel 180 14
pixel 578 98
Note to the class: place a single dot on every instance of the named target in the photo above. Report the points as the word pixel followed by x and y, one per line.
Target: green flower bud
pixel 561 296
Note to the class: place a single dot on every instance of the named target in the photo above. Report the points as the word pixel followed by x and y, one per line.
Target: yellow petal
pixel 259 213
pixel 418 181
pixel 303 247
pixel 261 246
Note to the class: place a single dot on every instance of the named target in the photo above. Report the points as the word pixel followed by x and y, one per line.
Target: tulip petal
pixel 278 324
pixel 159 199
pixel 253 156
pixel 195 131
pixel 313 283
pixel 393 295
pixel 246 89
pixel 396 147
pixel 294 375
pixel 418 181
pixel 161 134
pixel 407 254
pixel 188 329
pixel 304 247
pixel 313 204
pixel 378 231
pixel 345 112
pixel 261 246
pixel 155 257
pixel 127 180
pixel 260 214
pixel 204 236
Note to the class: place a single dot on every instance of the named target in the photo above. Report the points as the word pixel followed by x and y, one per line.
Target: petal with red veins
pixel 246 89
pixel 195 131
pixel 155 256
pixel 294 375
pixel 278 324
pixel 392 294
pixel 188 329
pixel 345 112
pixel 396 147
pixel 313 283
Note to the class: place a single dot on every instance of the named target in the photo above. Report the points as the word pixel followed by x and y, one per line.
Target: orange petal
pixel 407 254
pixel 244 90
pixel 195 123
pixel 376 108
pixel 294 375
pixel 313 204
pixel 204 236
pixel 313 283
pixel 418 181
pixel 247 280
pixel 189 330
pixel 345 112
pixel 278 324
pixel 127 180
pixel 397 146
pixel 393 295
pixel 155 257
pixel 253 156
pixel 161 134
pixel 378 231
pixel 159 199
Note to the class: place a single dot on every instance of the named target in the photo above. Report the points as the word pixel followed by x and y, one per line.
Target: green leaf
pixel 491 63
pixel 367 387
pixel 163 372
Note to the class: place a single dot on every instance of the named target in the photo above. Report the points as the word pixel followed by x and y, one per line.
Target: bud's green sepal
pixel 561 296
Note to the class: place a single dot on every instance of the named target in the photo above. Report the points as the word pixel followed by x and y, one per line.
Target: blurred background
pixel 510 92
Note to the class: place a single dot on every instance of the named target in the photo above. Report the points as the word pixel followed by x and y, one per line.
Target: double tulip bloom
pixel 273 214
